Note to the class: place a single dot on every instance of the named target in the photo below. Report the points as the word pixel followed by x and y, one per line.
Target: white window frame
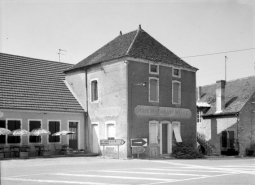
pixel 179 92
pixel 154 78
pixel 106 126
pixel 29 129
pixel 21 137
pixel 154 73
pixel 90 90
pixel 174 74
pixel 60 128
pixel 157 123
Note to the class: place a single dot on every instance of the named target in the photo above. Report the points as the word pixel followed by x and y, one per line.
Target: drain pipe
pixel 87 107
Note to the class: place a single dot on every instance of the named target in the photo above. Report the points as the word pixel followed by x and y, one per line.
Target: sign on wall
pixel 169 112
pixel 138 142
pixel 1 114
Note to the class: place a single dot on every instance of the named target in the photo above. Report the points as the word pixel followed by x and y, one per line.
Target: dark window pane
pixel 13 125
pixel 154 68
pixel 54 126
pixel 34 125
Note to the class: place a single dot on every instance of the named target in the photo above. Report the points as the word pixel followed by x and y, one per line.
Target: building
pixel 33 95
pixel 134 87
pixel 226 115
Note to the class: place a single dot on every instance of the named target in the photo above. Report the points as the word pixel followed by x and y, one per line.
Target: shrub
pixel 185 151
pixel 251 151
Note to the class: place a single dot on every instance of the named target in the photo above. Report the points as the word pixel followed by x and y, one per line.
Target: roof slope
pixel 34 84
pixel 137 44
pixel 237 93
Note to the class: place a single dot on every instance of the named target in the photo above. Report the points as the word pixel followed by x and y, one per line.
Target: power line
pixel 218 53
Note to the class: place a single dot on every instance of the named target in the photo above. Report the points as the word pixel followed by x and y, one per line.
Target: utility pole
pixel 59 53
pixel 226 68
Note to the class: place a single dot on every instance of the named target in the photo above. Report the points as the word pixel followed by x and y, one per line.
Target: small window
pixel 13 125
pixel 34 125
pixel 154 69
pixel 54 126
pixel 199 116
pixel 176 92
pixel 94 90
pixel 176 72
pixel 154 90
pixel 110 130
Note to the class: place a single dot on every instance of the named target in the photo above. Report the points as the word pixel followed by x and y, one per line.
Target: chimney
pixel 220 95
pixel 199 92
pixel 120 33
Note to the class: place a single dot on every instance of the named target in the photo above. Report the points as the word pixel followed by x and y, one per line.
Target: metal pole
pixel 226 68
pixel 118 151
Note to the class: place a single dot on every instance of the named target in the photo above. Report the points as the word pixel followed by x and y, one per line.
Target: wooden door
pixel 164 139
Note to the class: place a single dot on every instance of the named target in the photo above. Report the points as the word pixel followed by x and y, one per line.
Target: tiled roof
pixel 34 84
pixel 137 44
pixel 237 93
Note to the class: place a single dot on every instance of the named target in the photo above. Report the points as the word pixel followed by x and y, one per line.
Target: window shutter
pixel 57 130
pixel 2 137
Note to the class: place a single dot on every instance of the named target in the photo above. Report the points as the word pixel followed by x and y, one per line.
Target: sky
pixel 189 28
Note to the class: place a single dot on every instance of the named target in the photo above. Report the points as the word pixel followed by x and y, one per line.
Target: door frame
pixel 92 124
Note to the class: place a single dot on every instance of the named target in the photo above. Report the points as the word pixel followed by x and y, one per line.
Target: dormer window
pixel 154 69
pixel 177 72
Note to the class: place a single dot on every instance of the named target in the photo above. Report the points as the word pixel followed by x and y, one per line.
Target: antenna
pixel 59 53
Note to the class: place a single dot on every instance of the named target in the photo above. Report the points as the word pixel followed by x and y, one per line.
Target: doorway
pixel 73 138
pixel 165 137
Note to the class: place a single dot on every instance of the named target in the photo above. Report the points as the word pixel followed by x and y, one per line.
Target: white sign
pixel 169 112
pixel 1 114
pixel 106 142
pixel 137 150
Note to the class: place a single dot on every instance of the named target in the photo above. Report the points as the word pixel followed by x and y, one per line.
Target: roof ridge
pixel 243 78
pixel 1 53
pixel 132 43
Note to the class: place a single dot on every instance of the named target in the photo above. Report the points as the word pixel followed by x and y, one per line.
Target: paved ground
pixel 98 171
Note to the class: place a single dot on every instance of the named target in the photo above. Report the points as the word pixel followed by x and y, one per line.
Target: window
pixel 154 69
pixel 54 126
pixel 199 116
pixel 2 137
pixel 94 90
pixel 177 72
pixel 154 89
pixel 110 130
pixel 13 125
pixel 176 92
pixel 34 125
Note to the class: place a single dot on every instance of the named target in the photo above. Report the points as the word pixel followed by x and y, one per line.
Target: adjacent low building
pixel 33 95
pixel 226 115
pixel 135 88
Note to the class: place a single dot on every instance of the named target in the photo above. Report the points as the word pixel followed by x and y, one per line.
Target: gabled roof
pixel 237 93
pixel 34 84
pixel 137 44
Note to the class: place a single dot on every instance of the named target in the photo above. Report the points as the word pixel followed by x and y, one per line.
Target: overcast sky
pixel 39 28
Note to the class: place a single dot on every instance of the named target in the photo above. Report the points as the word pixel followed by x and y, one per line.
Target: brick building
pixel 134 87
pixel 226 115
pixel 33 95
